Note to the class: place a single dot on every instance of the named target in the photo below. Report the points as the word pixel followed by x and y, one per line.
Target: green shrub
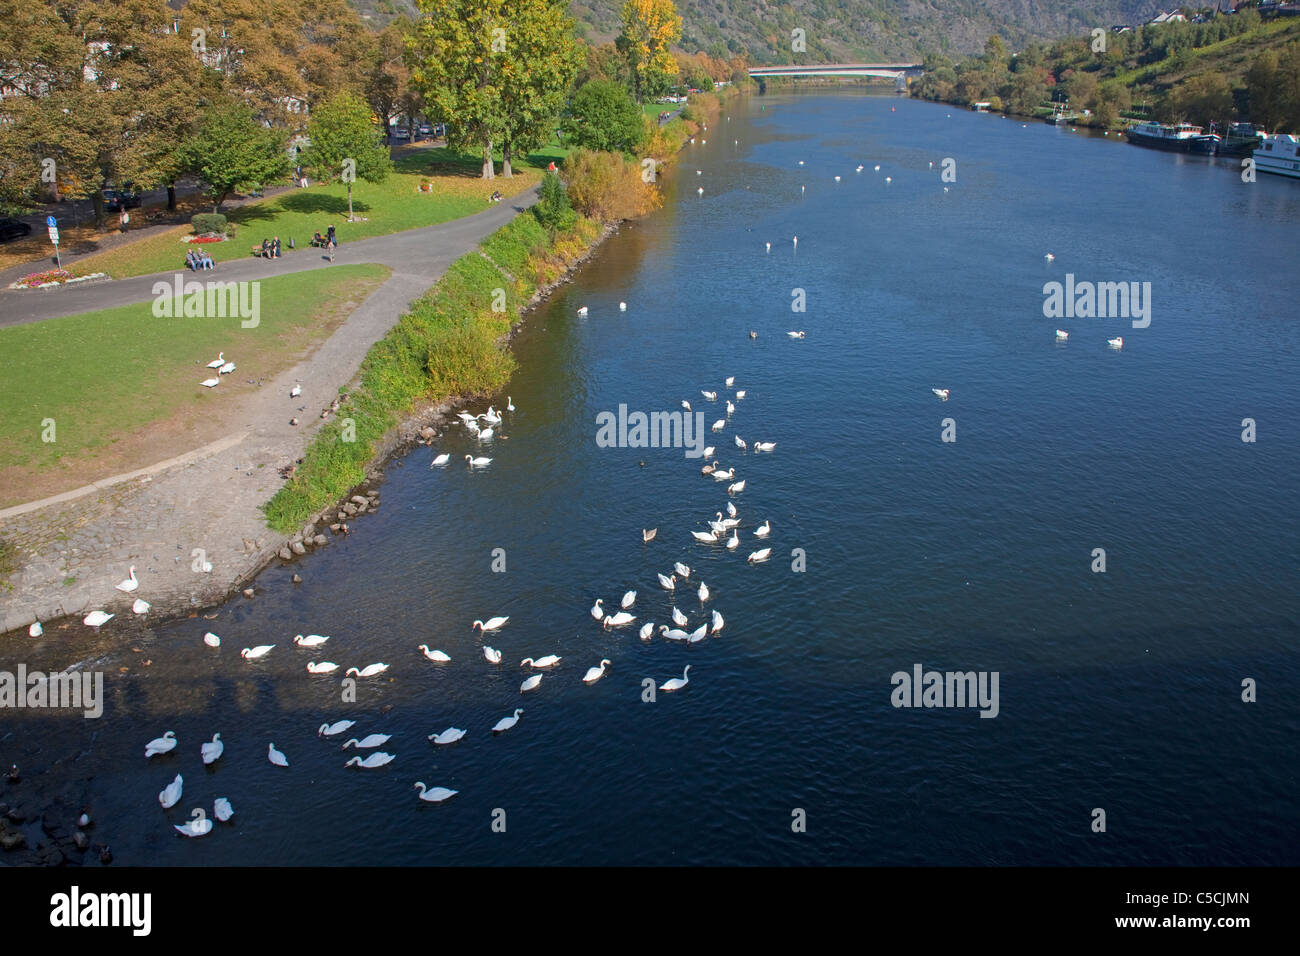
pixel 553 209
pixel 206 222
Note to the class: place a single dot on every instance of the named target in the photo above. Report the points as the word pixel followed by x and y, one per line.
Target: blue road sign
pixel 50 221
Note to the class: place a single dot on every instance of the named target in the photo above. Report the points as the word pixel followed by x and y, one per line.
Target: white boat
pixel 1279 153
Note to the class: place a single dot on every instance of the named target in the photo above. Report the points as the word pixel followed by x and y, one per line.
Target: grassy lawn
pixel 392 206
pixel 123 386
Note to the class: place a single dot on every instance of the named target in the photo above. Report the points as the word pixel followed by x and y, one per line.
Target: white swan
pixel 595 673
pixel 622 307
pixel 131 582
pixel 440 460
pixel 1115 343
pixel 211 752
pixel 762 554
pixel 436 795
pixel 1049 257
pixel 97 619
pixel 479 462
pixel 679 618
pixel 530 684
pixel 330 730
pixel 295 391
pixel 140 606
pixel 699 634
pixel 628 600
pixel 492 623
pixel 734 541
pixel 171 793
pixel 210 382
pixel 763 530
pixel 253 653
pixel 677 683
pixel 719 425
pixel 448 736
pixel 368 742
pixel 709 396
pixel 510 404
pixel 226 369
pixel 310 640
pixel 729 381
pixel 485 434
pixel 1062 335
pixel 667 582
pixel 740 442
pixel 941 392
pixel 764 445
pixel 718 623
pixel 371 762
pixel 726 475
pixel 736 488
pixel 705 537
pixel 275 756
pixel 200 826
pixel 618 619
pixel 597 611
pixel 491 416
pixel 35 630
pixel 647 630
pixel 492 654
pixel 708 452
pixel 683 569
pixel 219 361
pixel 370 670
pixel 796 335
pixel 731 408
pixel 673 633
pixel 703 592
pixel 505 723
pixel 439 657
pixel 161 745
pixel 222 810
pixel 550 660
pixel 648 536
pixel 211 640
pixel 731 509
pixel 324 667
pixel 686 405
pixel 583 310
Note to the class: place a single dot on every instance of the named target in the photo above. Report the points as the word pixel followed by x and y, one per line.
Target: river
pixel 1118 690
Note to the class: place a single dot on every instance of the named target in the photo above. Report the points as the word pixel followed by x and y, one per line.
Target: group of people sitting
pixel 271 248
pixel 495 197
pixel 196 260
pixel 325 240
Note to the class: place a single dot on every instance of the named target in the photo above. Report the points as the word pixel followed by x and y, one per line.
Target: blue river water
pixel 1119 690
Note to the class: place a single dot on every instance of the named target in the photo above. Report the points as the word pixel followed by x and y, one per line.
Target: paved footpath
pixel 209 499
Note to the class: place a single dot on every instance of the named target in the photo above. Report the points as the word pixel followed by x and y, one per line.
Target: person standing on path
pixel 329 248
pixel 124 219
pixel 330 235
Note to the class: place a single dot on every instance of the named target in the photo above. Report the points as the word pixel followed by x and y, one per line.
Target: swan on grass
pixel 550 660
pixel 448 736
pixel 295 391
pixel 324 667
pixel 171 793
pixel 491 624
pixel 219 361
pixel 595 673
pixel 226 369
pixel 211 752
pixel 505 723
pixel 253 653
pixel 368 742
pixel 435 795
pixel 131 582
pixel 161 745
pixel 330 730
pixel 370 670
pixel 438 657
pixel 492 654
pixel 370 763
pixel 677 683
pixel 275 756
pixel 222 810
pixel 210 382
pixel 310 640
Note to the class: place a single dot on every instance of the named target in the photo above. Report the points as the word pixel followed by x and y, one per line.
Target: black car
pixel 115 199
pixel 11 229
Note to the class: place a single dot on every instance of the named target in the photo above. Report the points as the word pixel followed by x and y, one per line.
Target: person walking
pixel 329 247
pixel 124 219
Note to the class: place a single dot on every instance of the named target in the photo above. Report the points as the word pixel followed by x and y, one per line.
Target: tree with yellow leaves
pixel 650 28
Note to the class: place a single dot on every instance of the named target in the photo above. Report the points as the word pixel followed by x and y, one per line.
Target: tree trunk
pixel 97 198
pixel 488 171
pixel 505 165
pixel 349 202
pixel 171 197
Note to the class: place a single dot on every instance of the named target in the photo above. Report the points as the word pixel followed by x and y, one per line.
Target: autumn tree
pixel 233 151
pixel 538 66
pixel 345 145
pixel 650 28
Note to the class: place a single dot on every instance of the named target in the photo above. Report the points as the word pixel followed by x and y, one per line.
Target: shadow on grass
pixel 304 203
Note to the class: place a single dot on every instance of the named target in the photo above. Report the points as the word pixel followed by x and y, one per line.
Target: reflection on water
pixel 1118 690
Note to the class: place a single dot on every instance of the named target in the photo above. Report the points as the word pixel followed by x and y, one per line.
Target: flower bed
pixel 206 237
pixel 51 278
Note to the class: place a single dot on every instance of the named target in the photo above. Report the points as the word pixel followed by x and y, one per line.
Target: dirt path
pixel 74 548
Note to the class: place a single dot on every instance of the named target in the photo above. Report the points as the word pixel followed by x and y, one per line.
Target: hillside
pixel 848 30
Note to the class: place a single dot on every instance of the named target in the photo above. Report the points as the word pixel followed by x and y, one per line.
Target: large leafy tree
pixel 387 78
pixel 603 116
pixel 650 28
pixel 538 66
pixel 233 151
pixel 346 145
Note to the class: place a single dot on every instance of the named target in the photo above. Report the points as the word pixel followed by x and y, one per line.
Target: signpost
pixel 54 238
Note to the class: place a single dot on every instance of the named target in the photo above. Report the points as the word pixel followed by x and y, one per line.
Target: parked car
pixel 439 129
pixel 11 229
pixel 401 134
pixel 426 130
pixel 115 199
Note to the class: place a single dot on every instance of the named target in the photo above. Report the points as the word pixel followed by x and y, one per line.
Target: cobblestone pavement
pixel 205 507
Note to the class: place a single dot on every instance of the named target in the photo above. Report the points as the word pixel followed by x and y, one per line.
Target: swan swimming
pixel 330 730
pixel 275 756
pixel 479 462
pixel 131 582
pixel 764 445
pixel 492 623
pixel 705 537
pixel 550 660
pixel 618 619
pixel 595 673
pixel 703 592
pixel 763 530
pixel 370 670
pixel 492 654
pixel 448 736
pixel 530 684
pixel 505 723
pixel 709 396
pixel 171 793
pixel 734 541
pixel 679 618
pixel 161 745
pixel 796 335
pixel 682 569
pixel 582 310
pixel 324 667
pixel 436 795
pixel 222 810
pixel 736 488
pixel 677 683
pixel 597 611
pixel 762 554
pixel 740 442
pixel 648 536
pixel 310 640
pixel 628 600
pixel 718 623
pixel 647 630
pixel 200 826
pixel 720 424
pixel 622 307
pixel 1062 335
pixel 673 633
pixel 374 760
pixel 253 653
pixel 941 392
pixel 439 657
pixel 668 583
pixel 699 634
pixel 211 752
pixel 1115 343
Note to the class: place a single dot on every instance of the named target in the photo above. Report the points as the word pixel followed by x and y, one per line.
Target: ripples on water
pixel 1118 691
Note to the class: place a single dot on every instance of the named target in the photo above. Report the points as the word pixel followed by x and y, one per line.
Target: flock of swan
pixel 221 366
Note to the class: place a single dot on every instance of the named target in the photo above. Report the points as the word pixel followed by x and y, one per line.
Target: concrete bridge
pixel 887 70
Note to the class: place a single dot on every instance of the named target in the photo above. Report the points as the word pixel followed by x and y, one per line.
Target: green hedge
pixel 205 222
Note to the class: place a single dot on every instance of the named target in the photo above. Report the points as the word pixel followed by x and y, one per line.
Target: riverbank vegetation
pixel 1229 67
